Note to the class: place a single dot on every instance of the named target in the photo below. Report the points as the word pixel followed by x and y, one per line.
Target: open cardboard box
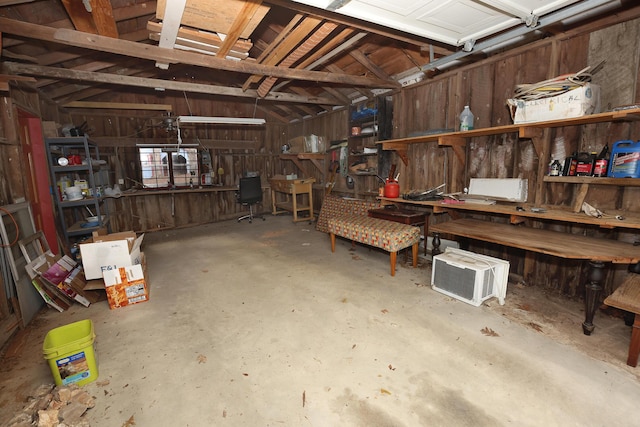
pixel 127 285
pixel 63 274
pixel 110 252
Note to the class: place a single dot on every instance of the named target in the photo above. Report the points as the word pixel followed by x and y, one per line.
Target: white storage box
pixel 110 252
pixel 511 189
pixel 470 277
pixel 578 102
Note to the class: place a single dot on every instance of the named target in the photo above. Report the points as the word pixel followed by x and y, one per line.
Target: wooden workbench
pixel 292 189
pixel 564 245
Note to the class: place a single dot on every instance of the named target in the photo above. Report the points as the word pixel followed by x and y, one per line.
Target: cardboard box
pixel 578 102
pixel 110 252
pixel 60 272
pixel 126 286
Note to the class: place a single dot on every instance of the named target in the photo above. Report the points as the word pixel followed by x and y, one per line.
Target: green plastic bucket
pixel 70 353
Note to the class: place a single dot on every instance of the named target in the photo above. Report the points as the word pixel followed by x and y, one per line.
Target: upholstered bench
pixel 388 235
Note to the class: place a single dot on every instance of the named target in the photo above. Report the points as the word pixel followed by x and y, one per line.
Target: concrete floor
pixel 261 325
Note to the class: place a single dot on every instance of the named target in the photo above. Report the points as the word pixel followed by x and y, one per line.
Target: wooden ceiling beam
pixel 362 59
pixel 239 25
pixel 307 46
pixel 150 83
pixel 95 17
pixel 321 55
pixel 155 53
pixel 118 106
pixel 282 46
pixel 270 112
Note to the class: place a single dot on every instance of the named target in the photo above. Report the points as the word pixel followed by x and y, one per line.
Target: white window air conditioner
pixel 469 277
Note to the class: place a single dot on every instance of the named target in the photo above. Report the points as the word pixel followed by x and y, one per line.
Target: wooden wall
pixel 485 86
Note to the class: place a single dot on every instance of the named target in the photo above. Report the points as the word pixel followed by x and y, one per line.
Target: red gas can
pixel 392 189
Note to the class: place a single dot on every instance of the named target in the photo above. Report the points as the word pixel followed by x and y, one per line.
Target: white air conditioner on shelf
pixel 469 277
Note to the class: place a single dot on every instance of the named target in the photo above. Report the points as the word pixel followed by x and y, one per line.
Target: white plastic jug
pixel 466 119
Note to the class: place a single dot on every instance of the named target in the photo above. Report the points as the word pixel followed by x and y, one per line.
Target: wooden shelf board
pixel 521 128
pixel 551 213
pixel 626 182
pixel 560 244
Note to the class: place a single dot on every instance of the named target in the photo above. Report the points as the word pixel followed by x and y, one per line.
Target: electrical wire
pixel 557 85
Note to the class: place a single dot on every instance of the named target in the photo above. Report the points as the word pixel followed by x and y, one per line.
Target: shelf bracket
pixel 534 134
pixel 457 143
pixel 580 196
pixel 400 149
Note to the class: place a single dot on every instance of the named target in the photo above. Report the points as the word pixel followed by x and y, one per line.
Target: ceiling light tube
pixel 167 145
pixel 221 120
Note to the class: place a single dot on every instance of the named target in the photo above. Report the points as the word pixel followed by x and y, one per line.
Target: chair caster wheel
pixel 264 219
pixel 250 221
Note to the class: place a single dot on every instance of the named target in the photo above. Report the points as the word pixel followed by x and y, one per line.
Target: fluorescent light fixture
pixel 221 120
pixel 167 145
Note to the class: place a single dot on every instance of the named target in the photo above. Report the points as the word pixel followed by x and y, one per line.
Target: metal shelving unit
pixel 72 214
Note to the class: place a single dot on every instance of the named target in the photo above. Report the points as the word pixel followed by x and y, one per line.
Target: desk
pixel 404 216
pixel 292 188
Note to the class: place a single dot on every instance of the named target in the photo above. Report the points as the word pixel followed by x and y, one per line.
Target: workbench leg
pixel 393 256
pixel 426 232
pixel 333 242
pixel 414 252
pixel 634 346
pixel 435 250
pixel 294 200
pixel 592 295
pixel 273 202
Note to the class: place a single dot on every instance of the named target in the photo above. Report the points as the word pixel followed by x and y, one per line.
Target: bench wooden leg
pixel 592 295
pixel 634 347
pixel 393 256
pixel 333 242
pixel 414 252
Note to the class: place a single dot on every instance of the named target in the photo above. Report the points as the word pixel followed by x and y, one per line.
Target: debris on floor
pixel 52 406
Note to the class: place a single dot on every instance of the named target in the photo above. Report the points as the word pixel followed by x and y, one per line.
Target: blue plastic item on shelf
pixel 625 160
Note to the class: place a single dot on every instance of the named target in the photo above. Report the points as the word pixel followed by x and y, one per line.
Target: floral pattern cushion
pixel 333 206
pixel 388 235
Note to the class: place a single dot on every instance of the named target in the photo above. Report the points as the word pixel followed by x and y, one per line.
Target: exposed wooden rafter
pixel 307 46
pixel 239 25
pixel 94 16
pixel 156 83
pixel 144 51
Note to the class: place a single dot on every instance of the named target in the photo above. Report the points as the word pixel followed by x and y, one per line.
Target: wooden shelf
pixel 551 213
pixel 521 128
pixel 593 180
pixel 457 140
pixel 563 245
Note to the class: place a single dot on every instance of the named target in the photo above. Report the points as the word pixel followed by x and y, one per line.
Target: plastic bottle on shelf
pixel 602 162
pixel 466 119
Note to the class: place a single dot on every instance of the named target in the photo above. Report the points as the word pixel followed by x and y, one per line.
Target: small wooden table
pixel 627 298
pixel 292 188
pixel 404 216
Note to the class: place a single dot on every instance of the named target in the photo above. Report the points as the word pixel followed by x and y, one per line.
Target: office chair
pixel 250 193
